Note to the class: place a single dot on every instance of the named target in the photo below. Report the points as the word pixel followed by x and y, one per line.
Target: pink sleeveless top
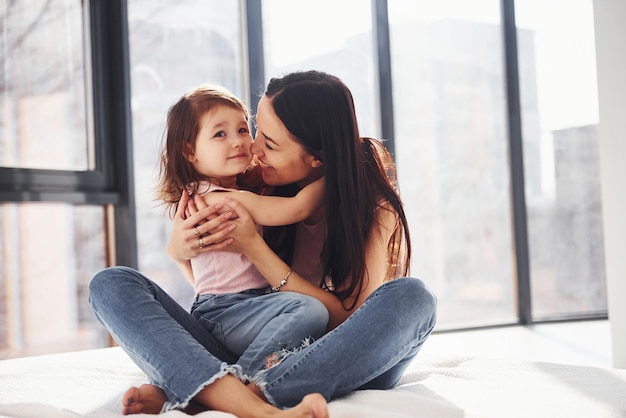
pixel 219 272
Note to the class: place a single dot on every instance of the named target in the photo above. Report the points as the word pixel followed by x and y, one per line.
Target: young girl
pixel 207 153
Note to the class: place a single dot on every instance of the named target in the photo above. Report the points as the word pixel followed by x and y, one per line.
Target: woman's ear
pixel 312 161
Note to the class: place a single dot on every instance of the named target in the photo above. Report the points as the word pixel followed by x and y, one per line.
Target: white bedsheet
pixel 91 383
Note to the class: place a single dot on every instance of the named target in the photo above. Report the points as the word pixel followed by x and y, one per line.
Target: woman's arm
pixel 184 244
pixel 275 210
pixel 248 241
pixel 376 260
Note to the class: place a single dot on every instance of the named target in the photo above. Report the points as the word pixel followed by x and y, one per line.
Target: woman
pixel 306 129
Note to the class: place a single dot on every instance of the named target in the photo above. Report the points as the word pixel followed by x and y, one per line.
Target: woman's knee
pixel 414 290
pixel 413 296
pixel 424 295
pixel 315 313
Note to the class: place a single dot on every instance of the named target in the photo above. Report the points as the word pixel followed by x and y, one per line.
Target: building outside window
pixel 451 151
pixel 560 129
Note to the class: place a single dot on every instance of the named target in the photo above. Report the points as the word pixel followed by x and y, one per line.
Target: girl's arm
pixel 275 210
pixel 249 242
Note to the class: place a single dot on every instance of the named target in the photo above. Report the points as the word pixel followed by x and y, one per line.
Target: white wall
pixel 610 16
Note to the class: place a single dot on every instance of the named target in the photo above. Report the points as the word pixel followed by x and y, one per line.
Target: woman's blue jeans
pixel 371 349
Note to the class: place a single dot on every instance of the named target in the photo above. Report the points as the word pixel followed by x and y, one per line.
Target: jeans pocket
pixel 205 309
pixel 214 327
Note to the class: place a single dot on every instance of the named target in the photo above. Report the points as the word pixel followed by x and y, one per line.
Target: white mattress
pixel 91 383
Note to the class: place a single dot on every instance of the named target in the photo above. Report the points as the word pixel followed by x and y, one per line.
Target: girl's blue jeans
pixel 259 327
pixel 370 350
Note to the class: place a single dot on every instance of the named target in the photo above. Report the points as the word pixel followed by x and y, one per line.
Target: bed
pixel 90 384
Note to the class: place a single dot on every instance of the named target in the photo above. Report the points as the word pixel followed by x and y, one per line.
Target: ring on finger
pixel 201 243
pixel 195 231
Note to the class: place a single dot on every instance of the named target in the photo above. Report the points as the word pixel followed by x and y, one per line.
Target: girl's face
pixel 282 158
pixel 222 148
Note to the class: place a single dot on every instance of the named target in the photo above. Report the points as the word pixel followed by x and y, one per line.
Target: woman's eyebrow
pixel 269 139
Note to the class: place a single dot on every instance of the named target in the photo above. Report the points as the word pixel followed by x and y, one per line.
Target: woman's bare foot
pixel 312 406
pixel 145 399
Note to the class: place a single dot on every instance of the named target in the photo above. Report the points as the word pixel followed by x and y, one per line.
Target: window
pixel 48 254
pixel 558 92
pixel 77 177
pixel 48 250
pixel 58 181
pixel 452 150
pixel 451 153
pixel 335 37
pixel 43 97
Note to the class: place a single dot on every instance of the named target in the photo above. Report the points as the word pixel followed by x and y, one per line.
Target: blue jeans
pixel 254 325
pixel 371 349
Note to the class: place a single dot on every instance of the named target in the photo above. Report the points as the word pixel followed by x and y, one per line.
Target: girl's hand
pixel 204 230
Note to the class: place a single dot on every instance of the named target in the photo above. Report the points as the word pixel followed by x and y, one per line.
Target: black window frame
pixel 111 183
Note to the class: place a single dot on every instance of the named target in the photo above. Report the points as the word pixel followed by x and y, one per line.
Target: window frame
pixel 111 183
pixel 515 150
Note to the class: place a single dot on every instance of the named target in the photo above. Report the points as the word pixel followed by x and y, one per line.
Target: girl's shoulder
pixel 204 186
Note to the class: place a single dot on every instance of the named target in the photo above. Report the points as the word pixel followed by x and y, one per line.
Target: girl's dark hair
pixel 318 109
pixel 176 173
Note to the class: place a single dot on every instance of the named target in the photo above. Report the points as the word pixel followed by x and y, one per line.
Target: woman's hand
pixel 206 229
pixel 243 231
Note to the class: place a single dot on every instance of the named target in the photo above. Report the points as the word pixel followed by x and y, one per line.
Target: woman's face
pixel 282 158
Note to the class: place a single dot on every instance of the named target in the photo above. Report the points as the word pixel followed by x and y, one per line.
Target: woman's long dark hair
pixel 318 109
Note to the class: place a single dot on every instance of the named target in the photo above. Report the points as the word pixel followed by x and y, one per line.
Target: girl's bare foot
pixel 145 399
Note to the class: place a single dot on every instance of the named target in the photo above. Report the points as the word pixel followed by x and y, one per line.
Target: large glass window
pixel 49 246
pixel 48 254
pixel 451 144
pixel 174 46
pixel 451 149
pixel 331 36
pixel 558 92
pixel 42 86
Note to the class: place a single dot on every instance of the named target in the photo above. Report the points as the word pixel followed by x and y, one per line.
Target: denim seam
pixel 168 406
pixel 237 371
pixel 264 386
